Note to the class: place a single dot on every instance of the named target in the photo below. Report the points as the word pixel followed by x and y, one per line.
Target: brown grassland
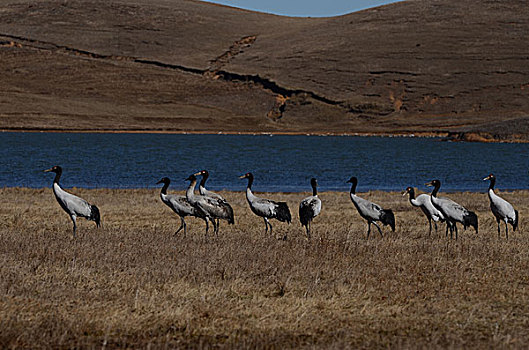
pixel 133 284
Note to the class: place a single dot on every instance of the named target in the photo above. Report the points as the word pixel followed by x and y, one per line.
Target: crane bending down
pixel 210 207
pixel 502 210
pixel 179 204
pixel 266 208
pixel 71 204
pixel 370 211
pixel 424 202
pixel 452 211
pixel 204 192
pixel 310 207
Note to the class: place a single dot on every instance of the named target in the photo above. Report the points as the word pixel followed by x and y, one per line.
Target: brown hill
pixel 425 66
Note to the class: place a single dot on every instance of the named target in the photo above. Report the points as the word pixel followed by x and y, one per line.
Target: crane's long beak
pixel 198 174
pixel 405 193
pixel 487 178
pixel 242 176
pixel 159 182
pixel 429 184
pixel 48 170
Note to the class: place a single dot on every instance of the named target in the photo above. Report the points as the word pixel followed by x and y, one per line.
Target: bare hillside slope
pixel 425 67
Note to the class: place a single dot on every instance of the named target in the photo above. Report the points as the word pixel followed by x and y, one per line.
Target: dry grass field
pixel 133 284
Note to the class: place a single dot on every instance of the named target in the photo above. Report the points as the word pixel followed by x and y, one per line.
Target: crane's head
pixel 246 176
pixel 192 178
pixel 55 169
pixel 164 180
pixel 433 183
pixel 204 173
pixel 490 177
pixel 408 190
pixel 314 182
pixel 352 180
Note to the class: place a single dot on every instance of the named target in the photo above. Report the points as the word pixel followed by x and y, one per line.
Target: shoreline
pixel 242 192
pixel 442 135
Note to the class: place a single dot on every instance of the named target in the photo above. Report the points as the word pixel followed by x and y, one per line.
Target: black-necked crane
pixel 71 204
pixel 452 211
pixel 204 192
pixel 310 207
pixel 266 208
pixel 502 210
pixel 370 211
pixel 424 202
pixel 179 204
pixel 212 208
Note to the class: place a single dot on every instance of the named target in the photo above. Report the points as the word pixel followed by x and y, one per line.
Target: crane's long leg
pixel 218 226
pixel 506 230
pixel 182 226
pixel 368 228
pixel 215 228
pixel 455 228
pixel 207 227
pixel 308 230
pixel 266 224
pixel 430 222
pixel 379 230
pixel 499 228
pixel 269 224
pixel 73 217
pixel 448 226
pixel 435 224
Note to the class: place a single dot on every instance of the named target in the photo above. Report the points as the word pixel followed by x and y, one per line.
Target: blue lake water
pixel 279 163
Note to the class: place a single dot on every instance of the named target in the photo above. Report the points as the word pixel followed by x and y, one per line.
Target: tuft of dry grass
pixel 133 284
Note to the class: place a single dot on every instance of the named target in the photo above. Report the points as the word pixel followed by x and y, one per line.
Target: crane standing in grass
pixel 204 192
pixel 179 204
pixel 310 207
pixel 266 208
pixel 71 204
pixel 210 207
pixel 424 202
pixel 452 211
pixel 502 210
pixel 370 211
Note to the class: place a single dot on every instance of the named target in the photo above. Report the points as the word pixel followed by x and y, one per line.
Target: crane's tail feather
pixel 388 218
pixel 231 219
pixel 304 216
pixel 283 213
pixel 471 219
pixel 515 221
pixel 95 215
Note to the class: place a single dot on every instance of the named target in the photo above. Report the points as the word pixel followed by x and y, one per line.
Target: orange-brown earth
pixel 453 68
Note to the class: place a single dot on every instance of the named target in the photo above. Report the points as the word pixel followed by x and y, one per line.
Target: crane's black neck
pixel 205 176
pixel 250 181
pixel 436 189
pixel 412 194
pixel 58 174
pixel 354 182
pixel 492 183
pixel 165 187
pixel 314 188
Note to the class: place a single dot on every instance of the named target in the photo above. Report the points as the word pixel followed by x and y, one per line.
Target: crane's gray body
pixel 424 202
pixel 370 211
pixel 501 209
pixel 72 204
pixel 266 208
pixel 211 208
pixel 452 211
